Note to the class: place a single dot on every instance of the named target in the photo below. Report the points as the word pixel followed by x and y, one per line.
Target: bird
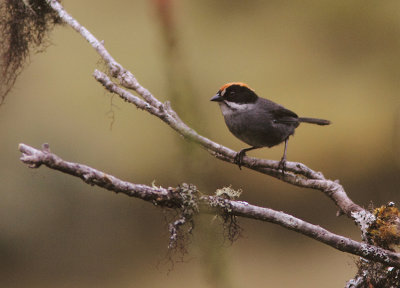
pixel 257 121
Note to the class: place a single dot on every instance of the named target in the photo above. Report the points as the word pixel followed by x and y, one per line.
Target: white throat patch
pixel 228 107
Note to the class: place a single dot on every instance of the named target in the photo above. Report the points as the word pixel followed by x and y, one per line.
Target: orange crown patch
pixel 234 83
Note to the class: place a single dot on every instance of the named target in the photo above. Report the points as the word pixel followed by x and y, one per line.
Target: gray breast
pixel 257 128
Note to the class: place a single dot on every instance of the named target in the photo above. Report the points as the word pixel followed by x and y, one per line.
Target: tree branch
pixel 118 80
pixel 297 173
pixel 167 197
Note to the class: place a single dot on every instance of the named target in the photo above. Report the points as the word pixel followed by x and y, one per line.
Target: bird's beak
pixel 217 98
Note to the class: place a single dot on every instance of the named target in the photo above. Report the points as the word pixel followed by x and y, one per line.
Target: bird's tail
pixel 314 121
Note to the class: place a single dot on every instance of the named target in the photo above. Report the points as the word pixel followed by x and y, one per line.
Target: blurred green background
pixel 337 60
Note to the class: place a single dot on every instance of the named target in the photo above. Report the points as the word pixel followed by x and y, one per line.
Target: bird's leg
pixel 282 163
pixel 239 156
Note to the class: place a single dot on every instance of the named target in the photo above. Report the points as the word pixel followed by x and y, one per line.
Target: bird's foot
pixel 239 158
pixel 282 165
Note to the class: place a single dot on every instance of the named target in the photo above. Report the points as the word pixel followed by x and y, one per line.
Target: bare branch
pixel 297 173
pixel 125 77
pixel 167 197
pixel 35 158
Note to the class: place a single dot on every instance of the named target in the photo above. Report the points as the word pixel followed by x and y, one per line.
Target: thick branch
pixel 318 233
pixel 208 204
